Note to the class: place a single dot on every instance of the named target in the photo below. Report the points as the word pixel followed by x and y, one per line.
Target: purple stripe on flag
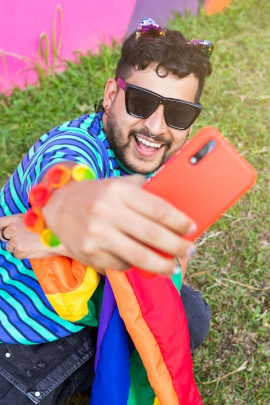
pixel 108 306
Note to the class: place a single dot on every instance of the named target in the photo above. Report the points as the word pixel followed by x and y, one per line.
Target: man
pixel 146 116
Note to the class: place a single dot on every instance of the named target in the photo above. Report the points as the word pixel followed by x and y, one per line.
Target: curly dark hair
pixel 170 53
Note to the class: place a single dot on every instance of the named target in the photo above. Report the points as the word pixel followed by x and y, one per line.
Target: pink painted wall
pixel 85 24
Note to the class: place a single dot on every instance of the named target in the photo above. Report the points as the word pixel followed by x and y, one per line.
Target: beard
pixel 120 144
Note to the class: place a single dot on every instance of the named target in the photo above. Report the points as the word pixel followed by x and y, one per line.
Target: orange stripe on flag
pixel 58 274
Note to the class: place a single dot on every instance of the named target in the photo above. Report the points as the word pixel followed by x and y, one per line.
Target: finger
pixel 115 263
pixel 6 221
pixel 9 247
pixel 3 235
pixel 101 259
pixel 158 210
pixel 136 179
pixel 136 254
pixel 153 234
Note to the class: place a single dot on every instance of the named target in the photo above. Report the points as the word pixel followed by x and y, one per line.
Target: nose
pixel 156 122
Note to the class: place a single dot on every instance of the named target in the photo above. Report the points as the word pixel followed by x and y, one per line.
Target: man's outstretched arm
pixel 116 224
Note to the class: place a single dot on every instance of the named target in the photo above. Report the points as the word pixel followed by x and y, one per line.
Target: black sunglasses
pixel 141 103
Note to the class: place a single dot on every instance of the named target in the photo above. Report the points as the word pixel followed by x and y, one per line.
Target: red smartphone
pixel 204 179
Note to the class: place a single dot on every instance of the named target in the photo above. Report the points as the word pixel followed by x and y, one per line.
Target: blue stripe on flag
pixel 112 379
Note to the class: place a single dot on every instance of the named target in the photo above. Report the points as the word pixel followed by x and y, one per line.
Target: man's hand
pixel 116 224
pixel 24 244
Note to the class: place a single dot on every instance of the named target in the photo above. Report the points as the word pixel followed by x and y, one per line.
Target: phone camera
pixel 193 160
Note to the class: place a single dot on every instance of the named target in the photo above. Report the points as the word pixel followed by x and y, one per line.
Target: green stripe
pixel 110 153
pixel 29 184
pixel 85 142
pixel 40 152
pixel 31 152
pixel 81 131
pixel 25 318
pixel 116 173
pixel 62 160
pixel 4 206
pixel 99 160
pixel 20 174
pixel 88 121
pixel 56 160
pixel 15 197
pixel 68 146
pixel 102 137
pixel 13 331
pixel 20 170
pixel 38 303
pixel 94 307
pixel 177 281
pixel 140 392
pixel 18 264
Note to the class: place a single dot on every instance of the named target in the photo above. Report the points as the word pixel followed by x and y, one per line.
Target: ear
pixel 190 130
pixel 109 93
pixel 187 135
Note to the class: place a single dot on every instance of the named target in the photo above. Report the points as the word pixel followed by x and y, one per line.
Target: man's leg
pixel 198 315
pixel 48 373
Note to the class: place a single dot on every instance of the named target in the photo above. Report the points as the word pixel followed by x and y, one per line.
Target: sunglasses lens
pixel 141 103
pixel 180 115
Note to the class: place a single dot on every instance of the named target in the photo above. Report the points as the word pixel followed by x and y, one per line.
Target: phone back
pixel 204 188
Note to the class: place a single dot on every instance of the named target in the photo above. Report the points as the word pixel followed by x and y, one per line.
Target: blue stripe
pixel 18 189
pixel 27 264
pixel 5 318
pixel 6 336
pixel 48 318
pixel 15 274
pixel 20 207
pixel 21 326
pixel 5 207
pixel 74 151
pixel 10 203
pixel 112 378
pixel 30 308
pixel 19 265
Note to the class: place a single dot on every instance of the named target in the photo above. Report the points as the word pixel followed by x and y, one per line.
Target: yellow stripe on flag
pixel 73 305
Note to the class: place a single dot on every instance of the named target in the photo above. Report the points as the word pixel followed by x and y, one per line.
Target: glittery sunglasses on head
pixel 148 24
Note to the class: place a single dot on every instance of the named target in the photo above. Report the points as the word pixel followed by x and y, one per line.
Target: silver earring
pixel 151 136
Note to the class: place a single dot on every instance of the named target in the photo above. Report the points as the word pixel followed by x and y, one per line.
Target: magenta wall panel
pixel 85 24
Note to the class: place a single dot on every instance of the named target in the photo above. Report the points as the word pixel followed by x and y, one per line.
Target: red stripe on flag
pixel 163 311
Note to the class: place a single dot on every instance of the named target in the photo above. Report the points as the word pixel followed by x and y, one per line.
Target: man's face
pixel 127 134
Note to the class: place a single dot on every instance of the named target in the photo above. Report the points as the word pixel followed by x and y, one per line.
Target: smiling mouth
pixel 145 147
pixel 155 145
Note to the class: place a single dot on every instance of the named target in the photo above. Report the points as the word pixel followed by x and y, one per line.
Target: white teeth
pixel 147 143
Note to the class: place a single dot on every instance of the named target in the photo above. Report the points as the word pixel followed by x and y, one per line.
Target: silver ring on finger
pixel 3 236
pixel 10 249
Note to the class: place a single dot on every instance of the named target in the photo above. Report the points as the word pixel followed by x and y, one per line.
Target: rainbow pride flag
pixel 143 349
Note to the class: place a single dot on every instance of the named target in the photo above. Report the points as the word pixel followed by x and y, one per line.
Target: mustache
pixel 146 133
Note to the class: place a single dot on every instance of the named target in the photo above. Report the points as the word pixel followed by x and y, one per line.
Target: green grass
pixel 232 265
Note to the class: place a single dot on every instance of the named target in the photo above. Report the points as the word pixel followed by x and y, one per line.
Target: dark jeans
pixel 198 316
pixel 49 373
